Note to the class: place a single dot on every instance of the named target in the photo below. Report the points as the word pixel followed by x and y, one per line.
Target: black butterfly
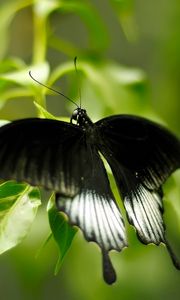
pixel 65 157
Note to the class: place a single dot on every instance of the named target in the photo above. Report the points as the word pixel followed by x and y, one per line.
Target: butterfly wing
pixel 141 146
pixel 95 211
pixel 142 155
pixel 42 152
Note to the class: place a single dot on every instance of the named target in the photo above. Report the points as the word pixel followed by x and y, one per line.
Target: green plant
pixel 105 84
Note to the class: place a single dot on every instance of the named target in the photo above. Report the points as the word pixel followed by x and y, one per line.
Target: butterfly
pixel 67 159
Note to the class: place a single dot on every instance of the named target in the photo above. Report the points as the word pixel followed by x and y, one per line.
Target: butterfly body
pixel 64 157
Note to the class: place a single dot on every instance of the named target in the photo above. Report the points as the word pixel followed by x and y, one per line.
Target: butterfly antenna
pixel 78 83
pixel 49 88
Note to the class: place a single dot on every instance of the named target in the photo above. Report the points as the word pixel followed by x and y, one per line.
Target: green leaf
pixel 21 77
pixel 43 113
pixel 40 71
pixel 18 207
pixel 46 241
pixel 62 231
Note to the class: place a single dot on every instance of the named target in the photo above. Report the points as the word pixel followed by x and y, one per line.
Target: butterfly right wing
pixel 42 152
pixel 142 155
pixel 146 149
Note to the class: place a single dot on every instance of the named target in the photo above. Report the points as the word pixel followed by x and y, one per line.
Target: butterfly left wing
pixel 142 155
pixel 95 211
pixel 42 152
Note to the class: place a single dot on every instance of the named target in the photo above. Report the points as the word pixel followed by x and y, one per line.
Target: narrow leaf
pixel 45 114
pixel 62 231
pixel 45 242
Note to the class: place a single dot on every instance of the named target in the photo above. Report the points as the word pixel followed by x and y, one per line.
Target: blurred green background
pixel 129 62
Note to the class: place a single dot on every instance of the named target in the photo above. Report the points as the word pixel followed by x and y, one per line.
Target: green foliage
pixel 63 233
pixel 18 208
pixel 108 87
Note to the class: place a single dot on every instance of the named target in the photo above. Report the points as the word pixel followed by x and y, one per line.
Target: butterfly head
pixel 80 118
